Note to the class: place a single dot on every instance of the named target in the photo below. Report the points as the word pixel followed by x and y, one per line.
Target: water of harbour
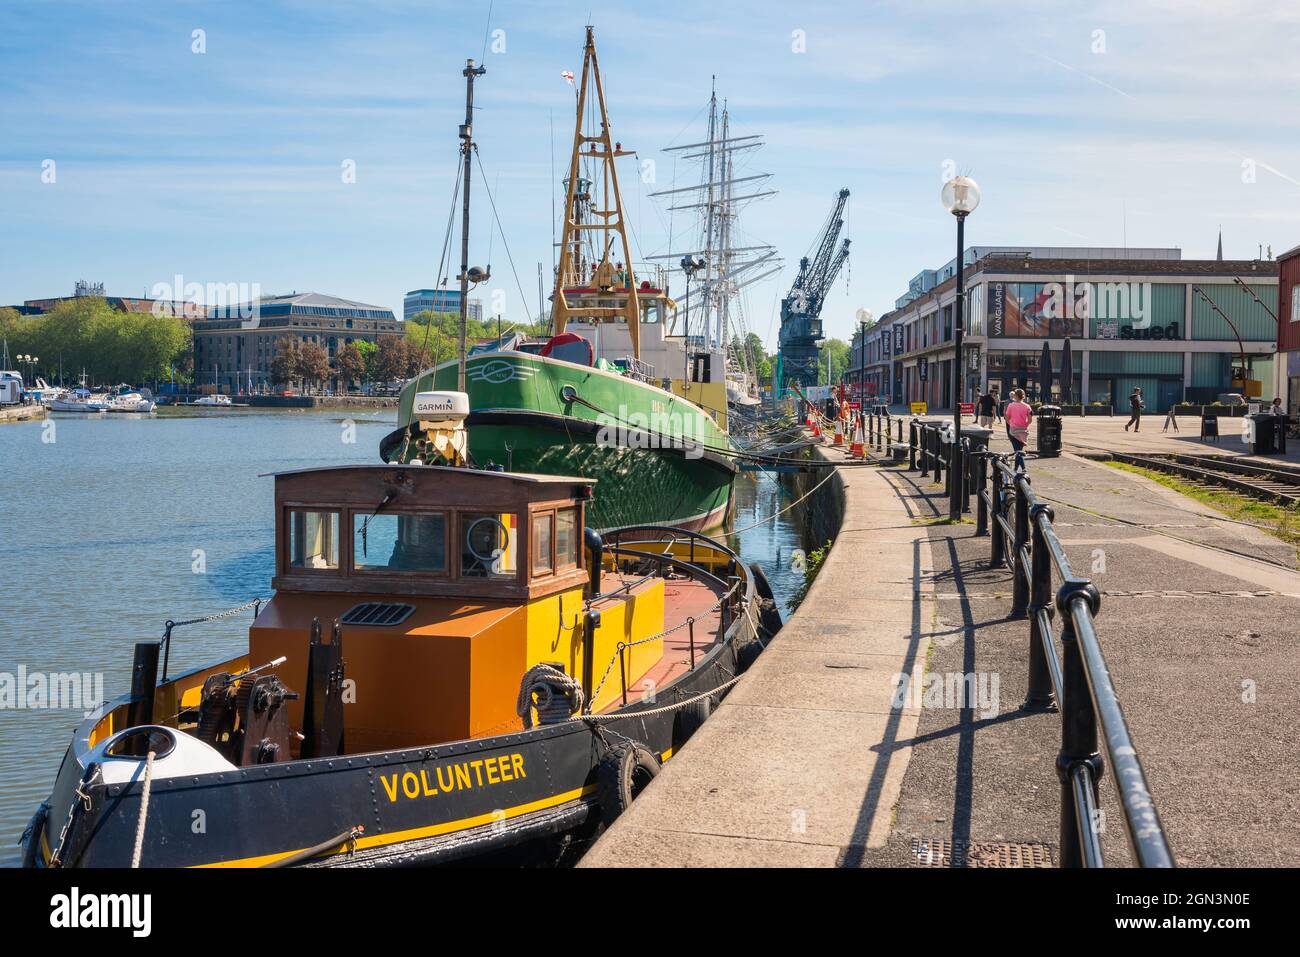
pixel 121 522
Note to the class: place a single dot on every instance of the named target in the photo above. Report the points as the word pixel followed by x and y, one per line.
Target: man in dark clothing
pixel 985 408
pixel 1136 405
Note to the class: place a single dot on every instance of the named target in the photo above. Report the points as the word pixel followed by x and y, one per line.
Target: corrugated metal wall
pixel 1251 321
pixel 1136 363
pixel 1163 304
pixel 1210 369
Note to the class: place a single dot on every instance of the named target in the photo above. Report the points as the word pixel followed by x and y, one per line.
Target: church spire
pixel 1219 256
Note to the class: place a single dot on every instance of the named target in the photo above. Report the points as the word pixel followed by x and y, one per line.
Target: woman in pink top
pixel 1018 415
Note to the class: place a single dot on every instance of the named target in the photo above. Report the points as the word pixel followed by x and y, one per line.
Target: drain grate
pixel 980 854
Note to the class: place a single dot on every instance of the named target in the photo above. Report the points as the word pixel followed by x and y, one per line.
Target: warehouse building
pixel 234 346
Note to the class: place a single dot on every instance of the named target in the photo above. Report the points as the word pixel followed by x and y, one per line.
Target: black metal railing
pixel 1022 539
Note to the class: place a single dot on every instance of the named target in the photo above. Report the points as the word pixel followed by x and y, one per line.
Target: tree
pixel 110 345
pixel 350 365
pixel 287 361
pixel 390 359
pixel 313 364
pixel 832 361
pixel 367 350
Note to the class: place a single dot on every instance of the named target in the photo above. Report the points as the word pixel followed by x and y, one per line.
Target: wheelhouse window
pixel 313 539
pixel 396 542
pixel 567 538
pixel 543 539
pixel 488 545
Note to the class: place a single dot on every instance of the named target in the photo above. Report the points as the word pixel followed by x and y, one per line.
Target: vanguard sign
pixel 1058 309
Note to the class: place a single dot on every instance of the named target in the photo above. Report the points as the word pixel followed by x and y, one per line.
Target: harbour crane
pixel 801 325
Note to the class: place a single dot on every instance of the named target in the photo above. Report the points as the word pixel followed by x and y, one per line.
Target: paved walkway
pixel 808 762
pixel 802 762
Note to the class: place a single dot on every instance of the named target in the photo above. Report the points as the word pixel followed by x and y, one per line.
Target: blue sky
pixel 225 166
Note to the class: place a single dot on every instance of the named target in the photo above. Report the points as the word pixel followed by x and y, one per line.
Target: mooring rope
pixel 144 811
pixel 653 711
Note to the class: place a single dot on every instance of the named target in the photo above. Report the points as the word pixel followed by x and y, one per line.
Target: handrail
pixel 1023 539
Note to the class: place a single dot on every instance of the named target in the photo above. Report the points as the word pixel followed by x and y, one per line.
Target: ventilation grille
pixel 377 613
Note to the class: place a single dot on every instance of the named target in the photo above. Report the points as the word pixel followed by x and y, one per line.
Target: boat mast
pixel 608 222
pixel 466 152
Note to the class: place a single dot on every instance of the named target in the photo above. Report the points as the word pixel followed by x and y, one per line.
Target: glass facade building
pixel 1181 330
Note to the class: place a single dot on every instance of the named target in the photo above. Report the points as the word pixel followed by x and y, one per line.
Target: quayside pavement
pixel 815 759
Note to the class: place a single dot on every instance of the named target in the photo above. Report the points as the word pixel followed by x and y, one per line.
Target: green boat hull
pixel 656 458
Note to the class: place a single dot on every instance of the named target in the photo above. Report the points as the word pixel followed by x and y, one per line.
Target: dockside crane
pixel 801 325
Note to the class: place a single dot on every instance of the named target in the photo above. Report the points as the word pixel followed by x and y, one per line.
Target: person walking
pixel 997 405
pixel 1136 405
pixel 1018 416
pixel 985 407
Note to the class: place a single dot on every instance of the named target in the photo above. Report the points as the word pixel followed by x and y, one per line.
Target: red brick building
pixel 1288 328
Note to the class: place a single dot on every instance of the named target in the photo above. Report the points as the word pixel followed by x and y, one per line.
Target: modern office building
pixel 234 346
pixel 438 300
pixel 1180 329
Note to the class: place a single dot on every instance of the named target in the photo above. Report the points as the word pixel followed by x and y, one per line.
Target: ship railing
pixel 700 556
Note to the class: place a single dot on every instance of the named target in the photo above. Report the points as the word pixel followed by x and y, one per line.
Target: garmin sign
pixel 440 405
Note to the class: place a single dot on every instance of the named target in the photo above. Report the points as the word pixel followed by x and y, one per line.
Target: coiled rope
pixel 558 695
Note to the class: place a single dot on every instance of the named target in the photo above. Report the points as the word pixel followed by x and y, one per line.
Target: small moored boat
pixel 449 665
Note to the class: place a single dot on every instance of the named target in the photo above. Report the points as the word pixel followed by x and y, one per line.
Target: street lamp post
pixel 864 316
pixel 960 196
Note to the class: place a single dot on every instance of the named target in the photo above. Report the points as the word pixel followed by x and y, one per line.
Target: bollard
pixel 998 556
pixel 1078 726
pixel 924 442
pixel 956 479
pixel 981 494
pixel 935 445
pixel 911 444
pixel 1039 696
pixel 967 476
pixel 882 434
pixel 1020 590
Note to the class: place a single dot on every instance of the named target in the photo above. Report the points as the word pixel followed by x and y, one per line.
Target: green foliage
pixel 816 558
pixel 112 346
pixel 435 337
pixel 834 356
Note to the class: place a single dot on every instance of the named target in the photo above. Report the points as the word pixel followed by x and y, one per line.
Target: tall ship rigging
pixel 621 391
pixel 714 318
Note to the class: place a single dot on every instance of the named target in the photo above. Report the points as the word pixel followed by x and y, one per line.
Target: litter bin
pixel 979 442
pixel 1049 431
pixel 1270 434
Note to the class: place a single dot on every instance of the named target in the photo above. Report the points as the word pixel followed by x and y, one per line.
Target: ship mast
pixel 589 227
pixel 729 268
pixel 467 150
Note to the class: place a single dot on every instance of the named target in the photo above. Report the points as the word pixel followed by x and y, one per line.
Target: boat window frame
pixel 449 518
pixel 459 541
pixel 548 513
pixel 576 508
pixel 285 552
